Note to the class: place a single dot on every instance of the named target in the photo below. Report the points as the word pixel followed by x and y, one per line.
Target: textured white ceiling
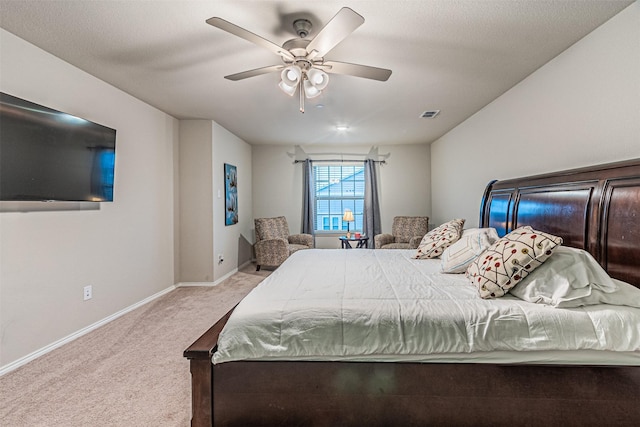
pixel 452 55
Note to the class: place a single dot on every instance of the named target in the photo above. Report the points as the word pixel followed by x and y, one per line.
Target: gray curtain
pixel 371 220
pixel 308 186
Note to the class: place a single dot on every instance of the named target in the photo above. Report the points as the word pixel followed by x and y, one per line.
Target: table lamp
pixel 348 217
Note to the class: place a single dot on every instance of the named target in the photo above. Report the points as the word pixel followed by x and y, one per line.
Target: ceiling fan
pixel 304 67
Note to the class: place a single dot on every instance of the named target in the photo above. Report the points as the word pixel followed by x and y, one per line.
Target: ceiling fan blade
pixel 340 26
pixel 357 70
pixel 249 36
pixel 253 73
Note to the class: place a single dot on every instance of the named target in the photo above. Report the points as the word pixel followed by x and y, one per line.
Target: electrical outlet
pixel 88 292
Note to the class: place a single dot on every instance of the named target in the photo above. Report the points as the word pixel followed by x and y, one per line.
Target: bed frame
pixel 595 208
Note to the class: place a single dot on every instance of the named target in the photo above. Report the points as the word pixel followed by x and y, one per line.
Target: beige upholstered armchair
pixel 406 233
pixel 274 244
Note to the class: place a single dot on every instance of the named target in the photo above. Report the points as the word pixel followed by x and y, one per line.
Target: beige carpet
pixel 129 372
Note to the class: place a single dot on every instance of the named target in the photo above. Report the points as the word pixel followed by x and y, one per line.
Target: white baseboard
pixel 44 350
pixel 217 282
pixel 245 264
pixel 187 284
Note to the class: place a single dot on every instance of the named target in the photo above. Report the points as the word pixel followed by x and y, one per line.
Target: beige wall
pixel 124 249
pixel 231 240
pixel 205 147
pixel 581 108
pixel 196 201
pixel 404 182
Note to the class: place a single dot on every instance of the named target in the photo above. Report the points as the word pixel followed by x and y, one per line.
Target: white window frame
pixel 354 202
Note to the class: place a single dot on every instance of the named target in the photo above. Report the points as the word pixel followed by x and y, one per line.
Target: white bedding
pixel 382 305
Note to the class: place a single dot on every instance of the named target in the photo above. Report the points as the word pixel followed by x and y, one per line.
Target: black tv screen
pixel 48 155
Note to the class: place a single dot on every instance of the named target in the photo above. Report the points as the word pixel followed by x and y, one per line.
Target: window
pixel 338 187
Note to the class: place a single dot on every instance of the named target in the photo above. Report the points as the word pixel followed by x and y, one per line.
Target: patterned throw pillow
pixel 509 260
pixel 440 238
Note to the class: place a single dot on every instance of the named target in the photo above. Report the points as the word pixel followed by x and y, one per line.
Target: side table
pixel 346 242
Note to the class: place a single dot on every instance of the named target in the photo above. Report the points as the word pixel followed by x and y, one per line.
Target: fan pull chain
pixel 300 89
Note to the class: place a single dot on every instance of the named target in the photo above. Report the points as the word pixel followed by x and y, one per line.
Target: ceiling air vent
pixel 429 114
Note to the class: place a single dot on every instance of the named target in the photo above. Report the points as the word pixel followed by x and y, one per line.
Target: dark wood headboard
pixel 595 208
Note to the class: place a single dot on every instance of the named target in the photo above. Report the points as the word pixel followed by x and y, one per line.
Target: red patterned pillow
pixel 509 260
pixel 440 238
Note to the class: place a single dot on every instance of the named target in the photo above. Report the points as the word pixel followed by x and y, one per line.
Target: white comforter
pixel 383 305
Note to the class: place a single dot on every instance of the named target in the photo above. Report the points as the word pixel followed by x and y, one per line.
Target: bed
pixel 596 209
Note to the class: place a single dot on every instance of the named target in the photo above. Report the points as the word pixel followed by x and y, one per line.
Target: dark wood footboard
pixel 358 394
pixel 199 354
pixel 260 393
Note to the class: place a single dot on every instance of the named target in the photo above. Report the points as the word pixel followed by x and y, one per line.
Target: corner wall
pixel 124 249
pixel 231 240
pixel 581 108
pixel 196 201
pixel 205 147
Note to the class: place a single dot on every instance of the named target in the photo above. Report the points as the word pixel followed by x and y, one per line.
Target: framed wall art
pixel 230 194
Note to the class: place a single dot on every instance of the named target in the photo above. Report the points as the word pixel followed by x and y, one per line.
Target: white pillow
pixel 573 278
pixel 474 241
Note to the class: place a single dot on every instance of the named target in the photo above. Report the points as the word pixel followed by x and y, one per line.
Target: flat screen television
pixel 48 155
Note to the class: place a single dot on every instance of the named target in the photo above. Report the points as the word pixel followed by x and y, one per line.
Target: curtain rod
pixel 382 162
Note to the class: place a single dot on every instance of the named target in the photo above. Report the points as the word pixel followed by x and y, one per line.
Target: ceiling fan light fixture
pixel 310 90
pixel 318 78
pixel 291 75
pixel 289 90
